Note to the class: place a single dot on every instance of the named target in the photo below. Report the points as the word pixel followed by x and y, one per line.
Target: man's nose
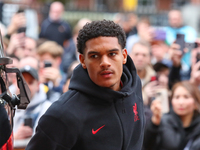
pixel 105 62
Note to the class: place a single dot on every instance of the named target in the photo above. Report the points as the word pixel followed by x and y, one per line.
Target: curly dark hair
pixel 100 28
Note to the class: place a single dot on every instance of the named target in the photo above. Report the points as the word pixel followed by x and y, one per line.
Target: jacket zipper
pixel 121 126
pixel 123 106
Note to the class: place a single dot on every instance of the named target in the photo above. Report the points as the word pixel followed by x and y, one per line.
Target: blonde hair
pixel 51 47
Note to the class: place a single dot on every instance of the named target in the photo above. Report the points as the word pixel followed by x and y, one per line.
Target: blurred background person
pixel 176 25
pixel 70 53
pixel 21 46
pixel 26 20
pixel 69 74
pixel 144 33
pixel 128 22
pixel 18 22
pixel 195 67
pixel 54 28
pixel 49 55
pixel 180 128
pixel 192 20
pixel 25 121
pixel 141 57
pixel 160 52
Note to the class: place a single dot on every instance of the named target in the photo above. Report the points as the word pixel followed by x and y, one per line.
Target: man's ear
pixel 124 53
pixel 82 60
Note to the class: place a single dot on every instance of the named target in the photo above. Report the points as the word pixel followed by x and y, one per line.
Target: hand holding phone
pixel 162 95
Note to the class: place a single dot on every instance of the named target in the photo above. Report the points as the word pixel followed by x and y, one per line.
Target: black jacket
pixel 55 31
pixel 89 117
pixel 171 135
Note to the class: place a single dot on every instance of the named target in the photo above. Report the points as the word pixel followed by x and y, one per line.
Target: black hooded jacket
pixel 89 117
pixel 171 135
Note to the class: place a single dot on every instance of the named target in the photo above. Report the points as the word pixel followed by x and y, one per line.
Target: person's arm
pixel 18 20
pixel 176 56
pixel 52 133
pixel 174 75
pixel 150 136
pixel 152 127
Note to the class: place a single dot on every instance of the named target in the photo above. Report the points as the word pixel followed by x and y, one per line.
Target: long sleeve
pixel 53 134
pixel 151 136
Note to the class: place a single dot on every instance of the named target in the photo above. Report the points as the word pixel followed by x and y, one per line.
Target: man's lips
pixel 106 73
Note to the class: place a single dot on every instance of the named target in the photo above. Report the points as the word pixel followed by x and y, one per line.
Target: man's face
pixel 28 49
pixel 163 77
pixel 175 18
pixel 104 58
pixel 56 11
pixel 145 31
pixel 49 58
pixel 33 84
pixel 140 56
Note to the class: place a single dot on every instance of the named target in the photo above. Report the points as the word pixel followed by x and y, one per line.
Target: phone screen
pixel 180 40
pixel 47 64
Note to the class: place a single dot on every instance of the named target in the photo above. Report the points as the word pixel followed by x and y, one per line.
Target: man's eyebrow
pixel 113 50
pixel 92 52
pixel 97 52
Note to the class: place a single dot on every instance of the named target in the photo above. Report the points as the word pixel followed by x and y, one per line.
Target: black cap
pixel 33 72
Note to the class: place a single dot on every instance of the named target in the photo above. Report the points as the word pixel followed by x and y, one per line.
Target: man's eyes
pixel 94 56
pixel 113 54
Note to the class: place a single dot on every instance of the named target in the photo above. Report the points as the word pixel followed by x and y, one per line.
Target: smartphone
pixel 180 40
pixel 47 64
pixel 21 30
pixel 28 122
pixel 162 96
pixel 191 46
pixel 154 78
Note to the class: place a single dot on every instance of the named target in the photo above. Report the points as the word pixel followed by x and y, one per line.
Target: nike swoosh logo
pixel 94 132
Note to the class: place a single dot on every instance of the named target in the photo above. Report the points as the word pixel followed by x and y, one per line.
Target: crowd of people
pixel 170 76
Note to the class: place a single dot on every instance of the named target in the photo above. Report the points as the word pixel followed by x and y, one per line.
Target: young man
pixel 103 108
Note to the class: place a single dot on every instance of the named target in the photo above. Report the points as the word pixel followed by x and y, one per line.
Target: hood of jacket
pixel 81 82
